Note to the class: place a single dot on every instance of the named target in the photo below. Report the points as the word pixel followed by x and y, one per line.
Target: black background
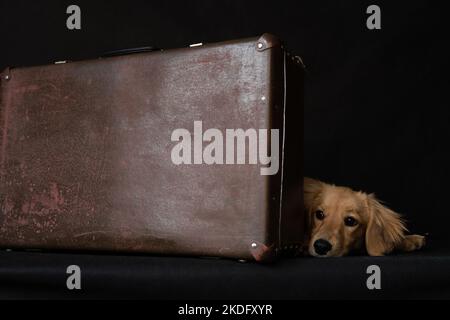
pixel 376 107
pixel 376 101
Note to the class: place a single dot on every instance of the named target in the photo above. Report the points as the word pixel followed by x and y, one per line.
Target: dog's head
pixel 341 221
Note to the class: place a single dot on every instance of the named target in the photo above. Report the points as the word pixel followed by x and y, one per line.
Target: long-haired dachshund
pixel 342 221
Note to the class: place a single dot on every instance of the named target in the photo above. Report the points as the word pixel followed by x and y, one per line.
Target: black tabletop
pixel 40 275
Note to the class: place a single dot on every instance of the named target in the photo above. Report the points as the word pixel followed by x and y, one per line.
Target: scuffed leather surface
pixel 85 154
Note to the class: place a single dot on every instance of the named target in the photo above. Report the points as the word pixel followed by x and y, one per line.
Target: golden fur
pixel 378 229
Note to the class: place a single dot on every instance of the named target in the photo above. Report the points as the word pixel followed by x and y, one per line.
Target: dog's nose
pixel 322 246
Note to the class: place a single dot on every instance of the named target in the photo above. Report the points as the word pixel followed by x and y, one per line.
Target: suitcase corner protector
pixel 261 252
pixel 5 73
pixel 267 41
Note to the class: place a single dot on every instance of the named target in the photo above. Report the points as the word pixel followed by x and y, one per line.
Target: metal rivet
pixel 263 98
pixel 254 245
pixel 7 77
pixel 260 45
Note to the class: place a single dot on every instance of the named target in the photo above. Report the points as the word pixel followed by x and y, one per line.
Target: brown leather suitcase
pixel 95 154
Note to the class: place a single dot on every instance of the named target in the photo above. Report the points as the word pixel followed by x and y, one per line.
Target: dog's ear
pixel 311 191
pixel 385 229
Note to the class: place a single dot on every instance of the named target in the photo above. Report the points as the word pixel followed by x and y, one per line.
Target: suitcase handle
pixel 128 51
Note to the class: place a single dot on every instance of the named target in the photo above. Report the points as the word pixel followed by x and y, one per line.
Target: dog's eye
pixel 350 222
pixel 320 215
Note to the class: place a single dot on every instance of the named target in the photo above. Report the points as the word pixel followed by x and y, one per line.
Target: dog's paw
pixel 413 242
